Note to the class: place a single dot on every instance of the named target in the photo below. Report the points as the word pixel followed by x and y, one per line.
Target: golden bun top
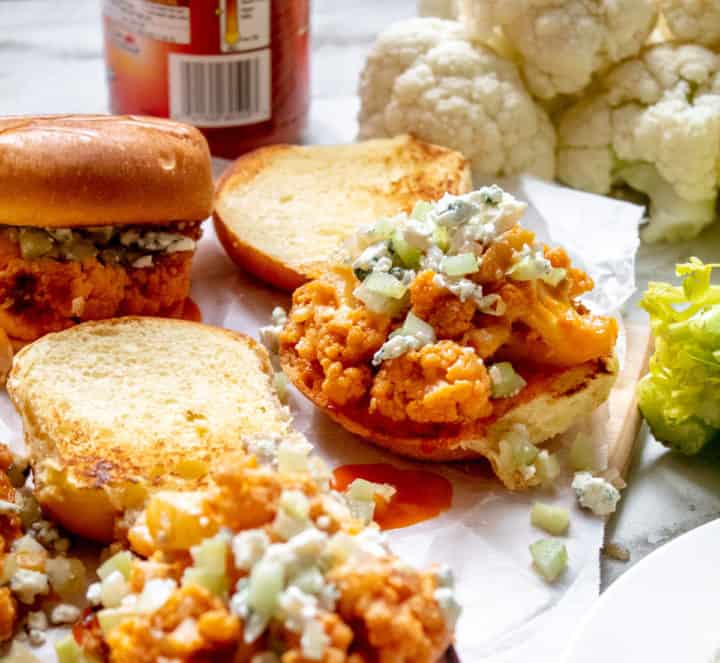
pixel 94 170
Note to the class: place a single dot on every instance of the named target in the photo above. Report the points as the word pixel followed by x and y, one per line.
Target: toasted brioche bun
pixel 548 406
pixel 114 410
pixel 96 170
pixel 282 212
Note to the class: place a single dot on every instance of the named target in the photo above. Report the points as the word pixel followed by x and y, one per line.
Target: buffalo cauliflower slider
pixel 452 334
pixel 100 217
pixel 115 410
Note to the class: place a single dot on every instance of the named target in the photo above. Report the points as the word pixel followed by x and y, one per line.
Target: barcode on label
pixel 220 90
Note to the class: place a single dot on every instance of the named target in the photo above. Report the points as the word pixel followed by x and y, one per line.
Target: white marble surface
pixel 51 62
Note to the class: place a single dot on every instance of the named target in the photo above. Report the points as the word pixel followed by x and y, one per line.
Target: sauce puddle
pixel 421 495
pixel 191 311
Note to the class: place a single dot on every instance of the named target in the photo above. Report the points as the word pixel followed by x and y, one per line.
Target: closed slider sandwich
pixel 100 217
pixel 451 334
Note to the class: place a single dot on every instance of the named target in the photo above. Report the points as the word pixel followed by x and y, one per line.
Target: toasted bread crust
pixel 253 261
pixel 429 172
pixel 95 170
pixel 86 476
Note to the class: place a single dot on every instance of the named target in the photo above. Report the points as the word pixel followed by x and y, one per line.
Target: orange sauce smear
pixel 191 311
pixel 420 495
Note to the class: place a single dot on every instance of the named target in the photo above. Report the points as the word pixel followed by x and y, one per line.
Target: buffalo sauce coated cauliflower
pixel 560 44
pixel 424 77
pixel 411 329
pixel 292 577
pixel 442 382
pixel 326 330
pixel 696 21
pixel 449 316
pixel 653 126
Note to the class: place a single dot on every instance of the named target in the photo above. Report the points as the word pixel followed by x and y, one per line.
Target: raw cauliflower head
pixel 560 44
pixel 697 21
pixel 654 126
pixel 396 49
pixel 455 94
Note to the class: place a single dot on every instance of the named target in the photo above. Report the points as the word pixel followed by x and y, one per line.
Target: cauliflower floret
pixel 654 126
pixel 397 609
pixel 191 624
pixel 562 43
pixel 441 382
pixel 434 304
pixel 339 338
pixel 450 92
pixel 394 51
pixel 697 21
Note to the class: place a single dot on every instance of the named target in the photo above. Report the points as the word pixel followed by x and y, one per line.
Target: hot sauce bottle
pixel 236 69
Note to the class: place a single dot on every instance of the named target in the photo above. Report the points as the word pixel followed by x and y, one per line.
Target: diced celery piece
pixel 385 284
pixel 281 384
pixel 101 234
pixel 66 575
pixel 548 467
pixel 363 510
pixel 34 243
pixel 68 651
pixel 441 238
pixel 417 327
pixel 287 526
pixel 113 589
pixel 409 255
pixel 295 503
pixel 215 582
pixel 109 618
pixel 378 303
pixel 459 265
pixel 582 453
pixel 211 554
pixel 524 451
pixel 383 228
pixel 121 562
pixel 361 489
pixel 266 583
pixel 553 519
pixel 504 380
pixel 525 269
pixel 549 558
pixel 421 210
pixel 79 250
pixel 293 457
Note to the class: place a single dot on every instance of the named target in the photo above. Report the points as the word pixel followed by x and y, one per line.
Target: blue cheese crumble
pixel 595 493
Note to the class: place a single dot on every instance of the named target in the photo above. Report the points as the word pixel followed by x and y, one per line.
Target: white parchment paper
pixel 510 613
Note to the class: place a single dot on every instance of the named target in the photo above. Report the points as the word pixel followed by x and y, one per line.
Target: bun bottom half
pixel 551 406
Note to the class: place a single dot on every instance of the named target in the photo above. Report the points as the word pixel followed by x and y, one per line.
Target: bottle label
pixel 244 25
pixel 160 21
pixel 205 63
pixel 220 91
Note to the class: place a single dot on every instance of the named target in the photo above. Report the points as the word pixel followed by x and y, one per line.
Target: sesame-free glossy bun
pixel 94 170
